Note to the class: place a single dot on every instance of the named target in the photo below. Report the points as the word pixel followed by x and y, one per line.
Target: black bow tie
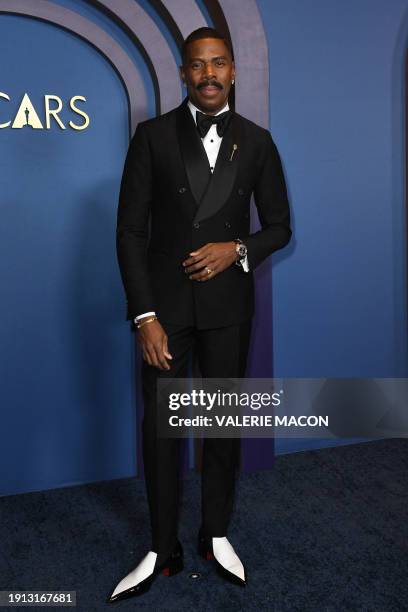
pixel 204 122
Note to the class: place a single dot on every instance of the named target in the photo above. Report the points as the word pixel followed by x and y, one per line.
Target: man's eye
pixel 220 63
pixel 196 65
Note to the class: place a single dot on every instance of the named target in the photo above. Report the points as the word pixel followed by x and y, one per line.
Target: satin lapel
pixel 193 153
pixel 225 173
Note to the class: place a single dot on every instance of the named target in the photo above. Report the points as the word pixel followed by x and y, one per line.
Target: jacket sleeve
pixel 272 204
pixel 132 231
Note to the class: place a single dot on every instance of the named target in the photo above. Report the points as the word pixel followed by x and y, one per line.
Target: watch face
pixel 242 250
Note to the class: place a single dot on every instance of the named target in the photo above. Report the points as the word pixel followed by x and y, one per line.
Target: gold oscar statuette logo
pixel 27 116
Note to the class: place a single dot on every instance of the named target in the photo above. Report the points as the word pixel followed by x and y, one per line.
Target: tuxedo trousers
pixel 221 352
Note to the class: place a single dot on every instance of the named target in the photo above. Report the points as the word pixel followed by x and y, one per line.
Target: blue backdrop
pixel 65 351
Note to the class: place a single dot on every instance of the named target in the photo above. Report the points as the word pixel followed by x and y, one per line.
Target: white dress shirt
pixel 211 140
pixel 212 143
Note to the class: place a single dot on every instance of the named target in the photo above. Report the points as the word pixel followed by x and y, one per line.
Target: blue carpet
pixel 324 531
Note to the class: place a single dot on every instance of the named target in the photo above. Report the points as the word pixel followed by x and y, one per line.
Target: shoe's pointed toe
pixel 138 589
pixel 230 574
pixel 238 571
pixel 139 580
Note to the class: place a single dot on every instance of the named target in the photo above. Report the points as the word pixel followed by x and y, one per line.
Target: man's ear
pixel 233 70
pixel 182 74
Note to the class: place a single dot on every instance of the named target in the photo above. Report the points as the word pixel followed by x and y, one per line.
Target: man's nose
pixel 209 70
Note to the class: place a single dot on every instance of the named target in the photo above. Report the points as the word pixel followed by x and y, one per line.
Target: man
pixel 189 282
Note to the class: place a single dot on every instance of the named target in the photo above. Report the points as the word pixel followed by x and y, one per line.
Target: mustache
pixel 209 84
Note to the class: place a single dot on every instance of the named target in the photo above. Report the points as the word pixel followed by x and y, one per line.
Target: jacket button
pixel 227 224
pixel 240 191
pixel 182 190
pixel 196 225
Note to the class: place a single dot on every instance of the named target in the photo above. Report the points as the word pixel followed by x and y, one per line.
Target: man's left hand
pixel 209 260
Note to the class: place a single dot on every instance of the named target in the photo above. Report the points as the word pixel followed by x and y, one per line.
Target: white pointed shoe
pixel 139 580
pixel 228 563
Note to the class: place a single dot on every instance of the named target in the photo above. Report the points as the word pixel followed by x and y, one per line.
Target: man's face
pixel 208 72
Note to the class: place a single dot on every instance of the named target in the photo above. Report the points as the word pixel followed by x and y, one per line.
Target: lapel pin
pixel 234 148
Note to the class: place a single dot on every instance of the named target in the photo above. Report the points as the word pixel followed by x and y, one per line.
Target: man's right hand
pixel 153 341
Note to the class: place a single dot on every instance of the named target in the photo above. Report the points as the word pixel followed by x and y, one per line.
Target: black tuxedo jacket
pixel 170 204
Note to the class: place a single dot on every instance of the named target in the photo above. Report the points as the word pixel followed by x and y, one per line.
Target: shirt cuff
pixel 145 314
pixel 244 263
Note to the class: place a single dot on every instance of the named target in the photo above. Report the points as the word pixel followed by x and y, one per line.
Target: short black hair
pixel 203 33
